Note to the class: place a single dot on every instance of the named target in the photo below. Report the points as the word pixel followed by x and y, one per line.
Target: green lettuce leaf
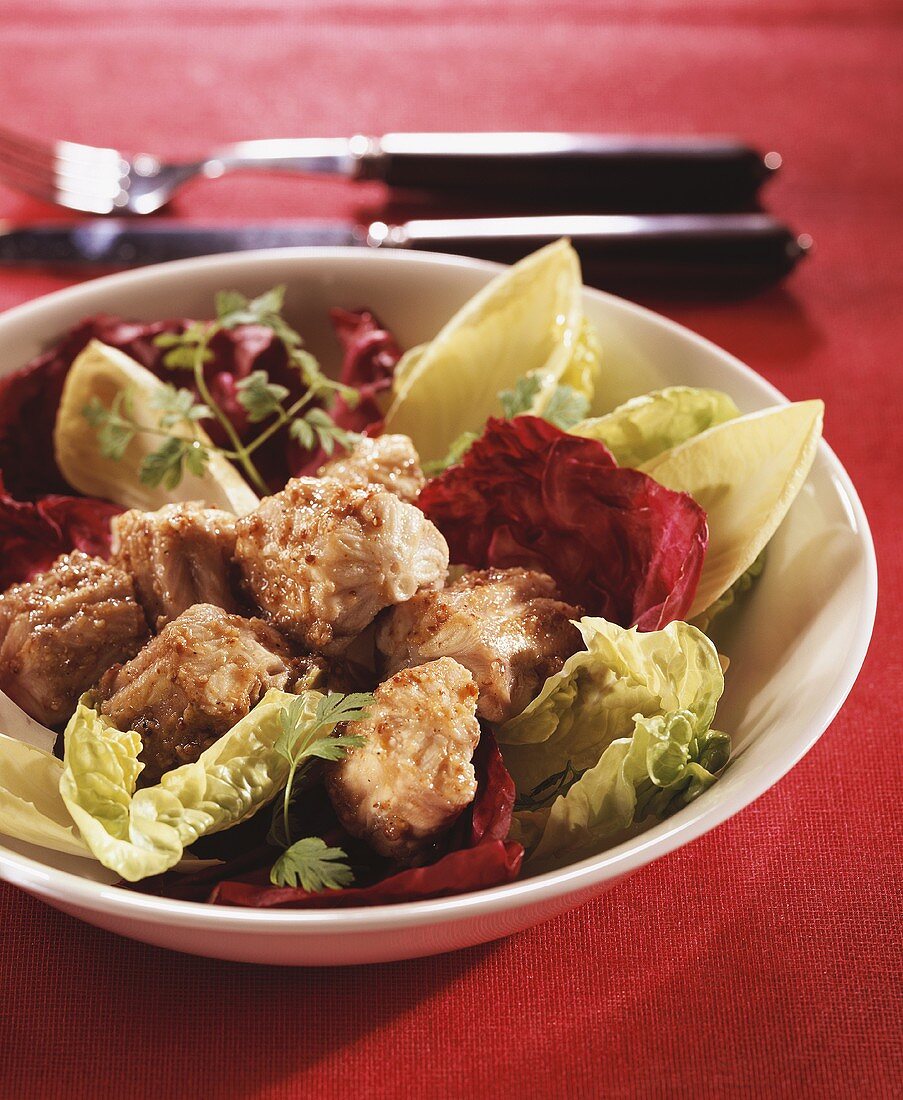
pixel 144 832
pixel 595 697
pixel 644 427
pixel 666 762
pixel 727 599
pixel 30 805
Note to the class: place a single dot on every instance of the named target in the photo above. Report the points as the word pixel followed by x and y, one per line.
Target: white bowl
pixel 796 649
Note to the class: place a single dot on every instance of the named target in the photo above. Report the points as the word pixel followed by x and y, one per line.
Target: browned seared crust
pixel 509 627
pixel 62 629
pixel 179 555
pixel 389 461
pixel 202 673
pixel 411 779
pixel 320 559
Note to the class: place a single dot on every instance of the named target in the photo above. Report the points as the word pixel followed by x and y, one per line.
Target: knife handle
pixel 611 172
pixel 695 252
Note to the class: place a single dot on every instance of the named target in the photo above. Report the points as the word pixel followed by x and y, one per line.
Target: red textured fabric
pixel 765 959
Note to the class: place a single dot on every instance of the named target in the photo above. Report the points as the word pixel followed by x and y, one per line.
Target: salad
pixel 269 638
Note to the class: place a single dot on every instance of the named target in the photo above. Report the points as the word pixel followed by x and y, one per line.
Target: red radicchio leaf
pixel 617 542
pixel 33 535
pixel 485 858
pixel 29 398
pixel 461 872
pixel 370 355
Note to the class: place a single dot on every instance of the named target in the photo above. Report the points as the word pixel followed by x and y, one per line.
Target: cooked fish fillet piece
pixel 321 559
pixel 179 555
pixel 388 460
pixel 62 629
pixel 203 672
pixel 411 779
pixel 509 627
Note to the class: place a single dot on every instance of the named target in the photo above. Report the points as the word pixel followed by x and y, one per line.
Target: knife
pixel 610 171
pixel 707 251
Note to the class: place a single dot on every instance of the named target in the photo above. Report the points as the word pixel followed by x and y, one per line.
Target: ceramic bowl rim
pixel 695 820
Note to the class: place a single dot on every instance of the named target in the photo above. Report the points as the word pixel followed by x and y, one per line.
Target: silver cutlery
pixel 605 172
pixel 735 252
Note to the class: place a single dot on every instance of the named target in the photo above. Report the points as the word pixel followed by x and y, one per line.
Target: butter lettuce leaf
pixel 144 832
pixel 31 808
pixel 645 426
pixel 667 761
pixel 594 699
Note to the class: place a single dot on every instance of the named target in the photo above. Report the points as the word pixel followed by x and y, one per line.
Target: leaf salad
pixel 416 630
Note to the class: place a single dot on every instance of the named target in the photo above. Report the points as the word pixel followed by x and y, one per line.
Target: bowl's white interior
pixel 795 648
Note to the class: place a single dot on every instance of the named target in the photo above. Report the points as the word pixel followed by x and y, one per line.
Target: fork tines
pixel 80 177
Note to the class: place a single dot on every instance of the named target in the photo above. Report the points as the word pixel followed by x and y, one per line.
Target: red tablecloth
pixel 763 960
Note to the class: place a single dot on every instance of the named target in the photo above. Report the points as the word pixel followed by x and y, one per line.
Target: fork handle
pixel 613 172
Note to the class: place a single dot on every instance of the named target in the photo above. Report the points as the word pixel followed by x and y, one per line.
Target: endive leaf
pixel 98 376
pixel 527 319
pixel 745 473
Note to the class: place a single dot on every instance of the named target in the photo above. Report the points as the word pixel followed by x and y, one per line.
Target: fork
pixel 615 172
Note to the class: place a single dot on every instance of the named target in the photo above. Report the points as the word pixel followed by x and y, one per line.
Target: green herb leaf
pixel 177 406
pixel 456 452
pixel 520 399
pixel 305 737
pixel 301 431
pixel 184 356
pixel 335 748
pixel 114 426
pixel 566 407
pixel 196 458
pixel 228 302
pixel 316 426
pixel 260 397
pixel 164 465
pixel 313 866
pixel 168 340
pixel 185 347
pixel 95 412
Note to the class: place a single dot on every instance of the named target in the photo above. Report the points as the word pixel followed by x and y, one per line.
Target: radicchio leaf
pixel 29 398
pixel 33 535
pixel 618 543
pixel 370 355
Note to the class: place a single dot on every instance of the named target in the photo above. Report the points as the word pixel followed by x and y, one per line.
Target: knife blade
pixel 717 250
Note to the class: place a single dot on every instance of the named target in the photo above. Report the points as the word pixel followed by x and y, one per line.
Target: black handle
pixel 718 252
pixel 610 173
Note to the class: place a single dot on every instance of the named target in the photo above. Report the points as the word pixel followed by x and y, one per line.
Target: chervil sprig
pixel 565 408
pixel 313 866
pixel 307 735
pixel 308 418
